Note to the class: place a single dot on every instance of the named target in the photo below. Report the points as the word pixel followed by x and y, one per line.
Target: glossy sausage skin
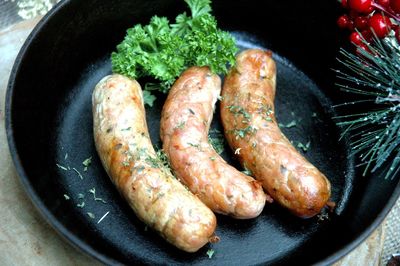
pixel 247 112
pixel 125 149
pixel 185 123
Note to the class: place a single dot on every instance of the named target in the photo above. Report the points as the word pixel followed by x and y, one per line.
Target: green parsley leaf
pixel 162 51
pixel 163 158
pixel 78 173
pixel 247 172
pixel 304 147
pixel 87 162
pixel 217 140
pixel 293 123
pixel 210 253
pixel 199 7
pixel 62 167
pixel 148 98
pixel 181 125
pixel 93 192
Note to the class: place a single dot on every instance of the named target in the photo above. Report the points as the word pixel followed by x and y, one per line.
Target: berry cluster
pixel 365 16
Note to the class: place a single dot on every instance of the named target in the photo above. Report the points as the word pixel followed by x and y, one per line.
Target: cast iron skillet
pixel 49 122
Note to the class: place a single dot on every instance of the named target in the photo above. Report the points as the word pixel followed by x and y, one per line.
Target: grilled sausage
pixel 185 122
pixel 125 149
pixel 247 113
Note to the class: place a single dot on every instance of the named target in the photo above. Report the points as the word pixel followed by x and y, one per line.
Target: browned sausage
pixel 125 149
pixel 185 123
pixel 247 112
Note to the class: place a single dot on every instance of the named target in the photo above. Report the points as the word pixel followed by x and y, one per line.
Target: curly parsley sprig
pixel 161 50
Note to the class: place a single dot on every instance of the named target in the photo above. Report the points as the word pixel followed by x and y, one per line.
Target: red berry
pixel 370 9
pixel 364 47
pixel 367 34
pixel 361 23
pixel 395 5
pixel 361 6
pixel 343 21
pixel 344 3
pixel 380 24
pixel 354 14
pixel 356 38
pixel 351 25
pixel 384 3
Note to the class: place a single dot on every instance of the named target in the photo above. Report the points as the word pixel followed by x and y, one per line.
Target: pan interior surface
pixel 51 123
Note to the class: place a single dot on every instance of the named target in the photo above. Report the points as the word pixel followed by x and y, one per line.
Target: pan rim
pixel 75 241
pixel 52 220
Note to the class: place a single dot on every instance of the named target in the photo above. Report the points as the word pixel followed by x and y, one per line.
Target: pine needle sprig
pixel 374 74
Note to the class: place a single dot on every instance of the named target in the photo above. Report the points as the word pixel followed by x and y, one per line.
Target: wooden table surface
pixel 26 238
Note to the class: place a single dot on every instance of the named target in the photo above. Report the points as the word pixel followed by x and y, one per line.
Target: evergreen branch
pixel 375 75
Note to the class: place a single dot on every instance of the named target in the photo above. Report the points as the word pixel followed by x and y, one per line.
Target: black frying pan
pixel 48 115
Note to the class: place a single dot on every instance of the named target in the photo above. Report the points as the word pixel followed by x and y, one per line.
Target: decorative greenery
pixel 161 50
pixel 374 74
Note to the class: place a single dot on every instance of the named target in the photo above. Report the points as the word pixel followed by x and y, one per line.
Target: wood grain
pixel 25 237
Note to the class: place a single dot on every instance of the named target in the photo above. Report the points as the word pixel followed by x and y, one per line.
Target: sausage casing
pixel 185 122
pixel 247 112
pixel 125 149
